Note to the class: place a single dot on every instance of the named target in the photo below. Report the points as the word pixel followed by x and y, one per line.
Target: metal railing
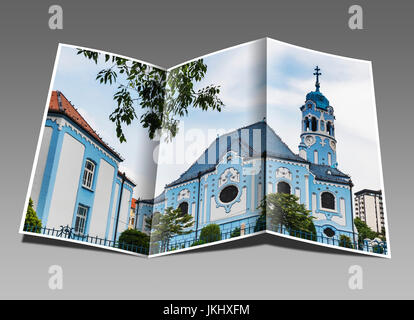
pixel 348 240
pixel 67 232
pixel 227 231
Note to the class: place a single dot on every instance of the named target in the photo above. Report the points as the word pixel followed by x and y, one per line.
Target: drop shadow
pixel 58 242
pixel 276 241
pixel 238 243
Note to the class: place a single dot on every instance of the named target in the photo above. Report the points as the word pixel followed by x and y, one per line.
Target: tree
pixel 284 210
pixel 260 223
pixel 345 241
pixel 32 222
pixel 134 240
pixel 162 96
pixel 152 219
pixel 210 233
pixel 364 231
pixel 235 233
pixel 170 224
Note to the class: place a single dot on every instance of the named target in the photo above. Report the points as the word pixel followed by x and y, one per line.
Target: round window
pixel 329 232
pixel 228 194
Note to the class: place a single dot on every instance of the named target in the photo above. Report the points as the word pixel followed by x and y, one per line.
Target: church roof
pixel 157 199
pixel 243 145
pixel 242 142
pixel 317 96
pixel 320 100
pixel 59 104
pixel 327 173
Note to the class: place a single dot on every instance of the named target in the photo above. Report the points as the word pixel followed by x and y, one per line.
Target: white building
pixel 77 183
pixel 369 208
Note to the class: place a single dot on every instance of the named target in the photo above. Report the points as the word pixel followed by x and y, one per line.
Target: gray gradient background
pixel 167 33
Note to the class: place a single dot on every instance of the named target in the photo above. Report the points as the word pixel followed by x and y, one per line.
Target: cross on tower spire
pixel 317 74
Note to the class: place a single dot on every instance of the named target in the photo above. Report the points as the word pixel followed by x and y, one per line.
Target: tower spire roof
pixel 317 74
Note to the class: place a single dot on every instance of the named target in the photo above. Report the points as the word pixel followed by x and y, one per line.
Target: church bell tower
pixel 318 144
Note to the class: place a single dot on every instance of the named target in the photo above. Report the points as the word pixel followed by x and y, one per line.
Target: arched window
pixel 88 174
pixel 306 124
pixel 328 128
pixel 314 124
pixel 228 194
pixel 184 207
pixel 283 187
pixel 329 232
pixel 328 200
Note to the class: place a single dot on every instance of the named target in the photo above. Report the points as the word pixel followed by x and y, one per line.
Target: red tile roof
pixel 61 105
pixel 120 174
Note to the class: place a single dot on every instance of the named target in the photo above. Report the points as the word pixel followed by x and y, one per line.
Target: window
pixel 329 158
pixel 228 194
pixel 328 200
pixel 183 206
pixel 283 187
pixel 88 174
pixel 80 222
pixel 329 232
pixel 328 128
pixel 314 124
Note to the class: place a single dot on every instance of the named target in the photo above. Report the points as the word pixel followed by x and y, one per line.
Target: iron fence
pixel 227 231
pixel 67 232
pixel 349 240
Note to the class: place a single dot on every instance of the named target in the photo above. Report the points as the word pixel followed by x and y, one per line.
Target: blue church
pixel 77 182
pixel 228 181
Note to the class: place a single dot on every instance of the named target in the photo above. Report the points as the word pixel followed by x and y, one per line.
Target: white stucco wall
pixel 124 213
pixel 99 214
pixel 238 208
pixel 113 213
pixel 66 185
pixel 41 163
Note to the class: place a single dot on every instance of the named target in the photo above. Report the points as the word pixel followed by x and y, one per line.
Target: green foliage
pixel 170 224
pixel 345 241
pixel 32 222
pixel 162 96
pixel 197 243
pixel 152 219
pixel 260 223
pixel 285 210
pixel 210 233
pixel 364 231
pixel 235 233
pixel 138 239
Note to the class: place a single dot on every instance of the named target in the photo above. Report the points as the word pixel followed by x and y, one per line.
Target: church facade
pixel 77 182
pixel 227 183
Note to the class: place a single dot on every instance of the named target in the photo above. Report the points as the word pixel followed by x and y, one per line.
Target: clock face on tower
pixel 309 140
pixel 330 110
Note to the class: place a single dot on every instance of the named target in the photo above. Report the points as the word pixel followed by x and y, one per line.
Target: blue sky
pixel 241 72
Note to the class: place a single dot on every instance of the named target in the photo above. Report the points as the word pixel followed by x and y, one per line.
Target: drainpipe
pixel 352 216
pixel 198 204
pixel 136 212
pixel 123 177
